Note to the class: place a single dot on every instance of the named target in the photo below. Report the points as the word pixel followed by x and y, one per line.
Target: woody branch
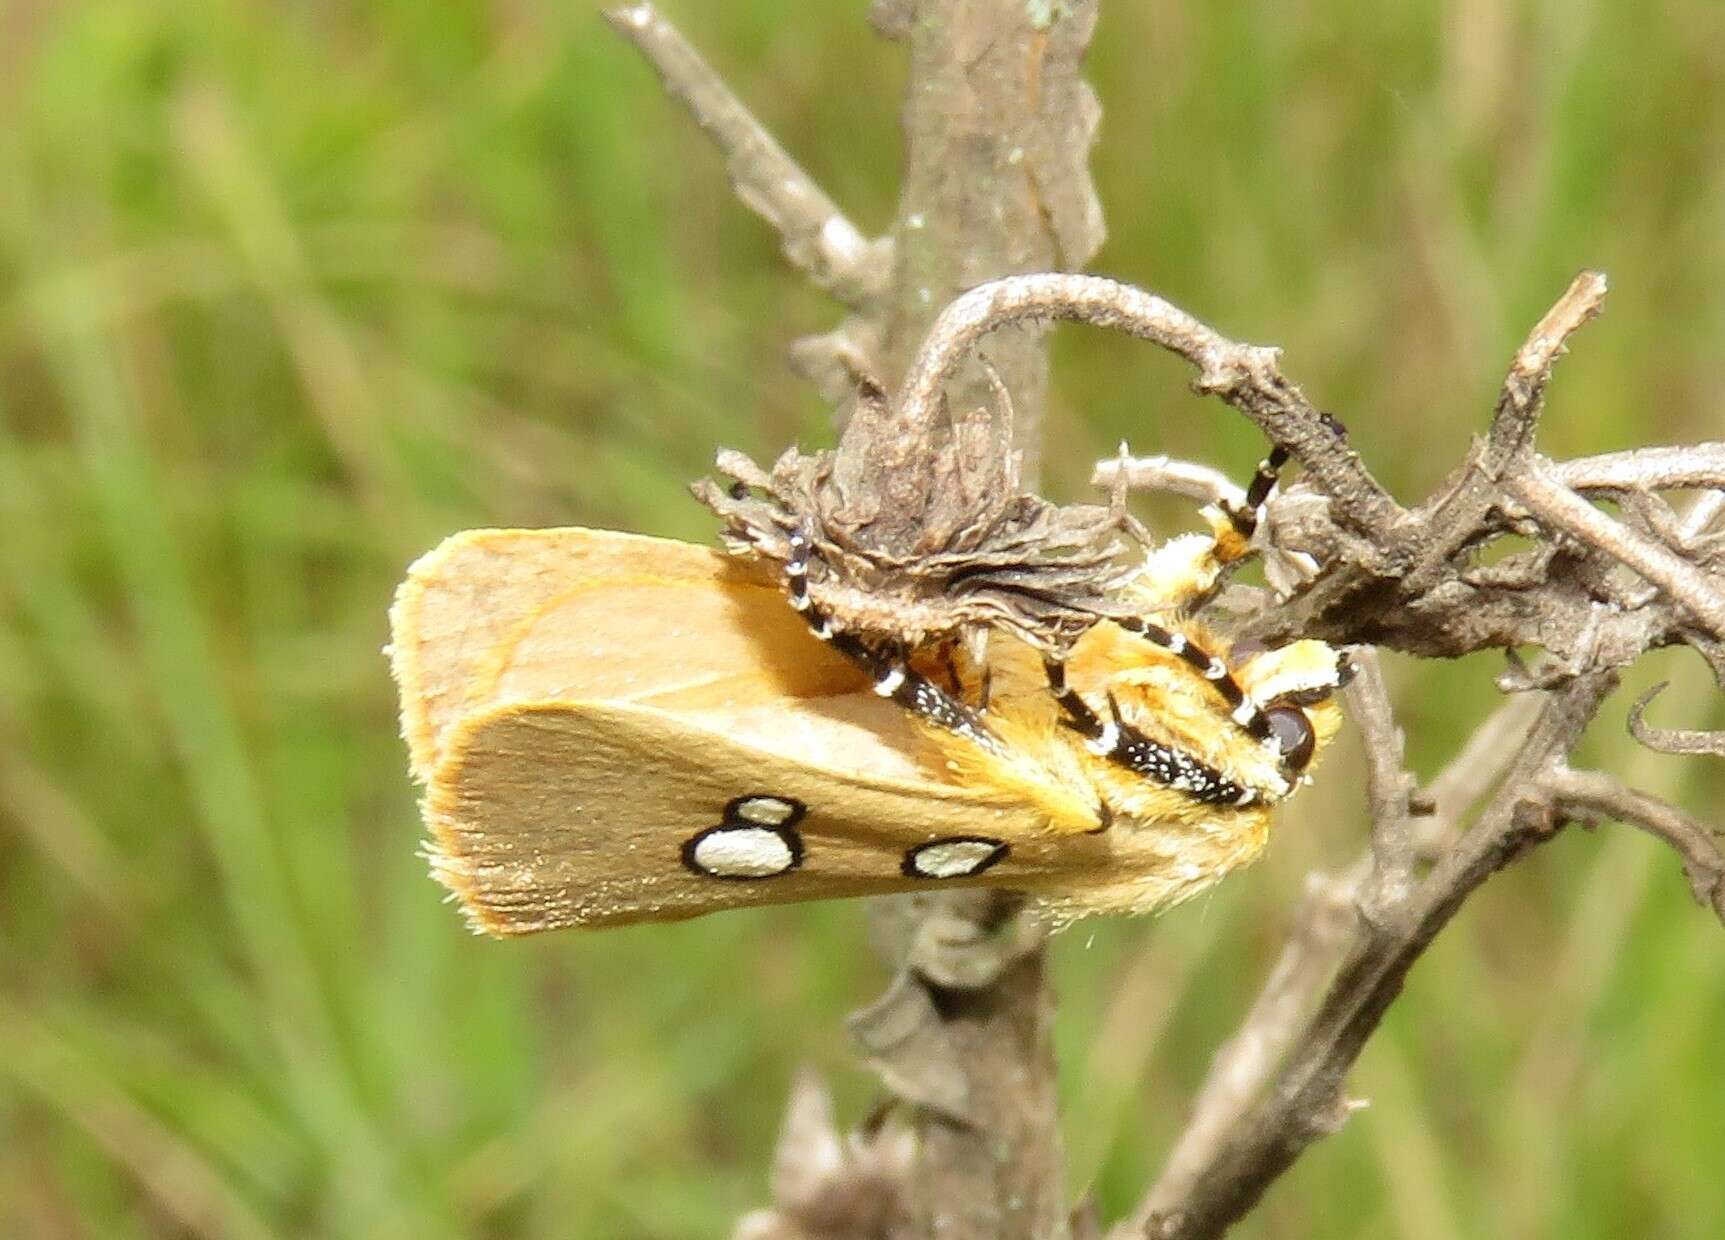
pixel 998 126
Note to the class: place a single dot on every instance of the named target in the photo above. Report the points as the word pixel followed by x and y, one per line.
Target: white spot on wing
pixel 953 858
pixel 742 852
pixel 767 811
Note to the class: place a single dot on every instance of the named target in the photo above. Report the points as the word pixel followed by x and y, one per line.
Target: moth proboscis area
pixel 611 728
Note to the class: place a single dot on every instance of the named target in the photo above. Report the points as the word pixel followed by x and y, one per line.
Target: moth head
pixel 1296 685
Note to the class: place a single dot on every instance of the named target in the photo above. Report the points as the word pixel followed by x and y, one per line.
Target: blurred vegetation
pixel 289 291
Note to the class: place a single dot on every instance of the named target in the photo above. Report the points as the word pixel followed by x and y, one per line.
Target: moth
pixel 611 728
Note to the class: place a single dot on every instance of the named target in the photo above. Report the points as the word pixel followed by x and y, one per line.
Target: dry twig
pixel 1306 1098
pixel 1548 499
pixel 1671 740
pixel 1593 795
pixel 819 240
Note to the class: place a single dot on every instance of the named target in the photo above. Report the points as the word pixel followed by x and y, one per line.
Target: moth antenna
pixel 1245 517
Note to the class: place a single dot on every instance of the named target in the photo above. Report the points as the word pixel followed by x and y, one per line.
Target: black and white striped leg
pixel 891 673
pixel 1245 517
pixel 797 573
pixel 1118 741
pixel 1078 713
pixel 1166 765
pixel 896 679
pixel 1245 712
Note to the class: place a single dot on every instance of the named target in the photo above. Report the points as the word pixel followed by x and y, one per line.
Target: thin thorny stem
pixel 1245 376
pixel 1671 740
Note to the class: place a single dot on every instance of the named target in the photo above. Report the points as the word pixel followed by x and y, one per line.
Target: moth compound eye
pixel 1293 732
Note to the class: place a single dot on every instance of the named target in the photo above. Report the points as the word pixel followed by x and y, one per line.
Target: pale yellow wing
pixel 614 728
pixel 492 616
pixel 595 813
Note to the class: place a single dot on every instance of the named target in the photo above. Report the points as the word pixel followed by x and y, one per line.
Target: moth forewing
pixel 595 813
pixel 612 728
pixel 530 615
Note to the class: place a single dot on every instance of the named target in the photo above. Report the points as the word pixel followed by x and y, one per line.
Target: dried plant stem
pixel 1247 377
pixel 1389 784
pixel 819 240
pixel 1523 396
pixel 998 126
pixel 1592 795
pixel 1242 1065
pixel 1325 927
pixel 1671 740
pixel 1306 1099
pixel 1646 469
pixel 1551 501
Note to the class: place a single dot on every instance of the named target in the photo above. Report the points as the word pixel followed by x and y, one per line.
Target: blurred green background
pixel 287 292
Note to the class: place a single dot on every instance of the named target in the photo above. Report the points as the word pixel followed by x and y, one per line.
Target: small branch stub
pixel 1671 740
pixel 819 240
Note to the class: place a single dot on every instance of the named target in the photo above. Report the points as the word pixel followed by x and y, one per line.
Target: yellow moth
pixel 611 728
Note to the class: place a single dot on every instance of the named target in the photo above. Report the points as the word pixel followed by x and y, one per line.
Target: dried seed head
pixel 911 546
